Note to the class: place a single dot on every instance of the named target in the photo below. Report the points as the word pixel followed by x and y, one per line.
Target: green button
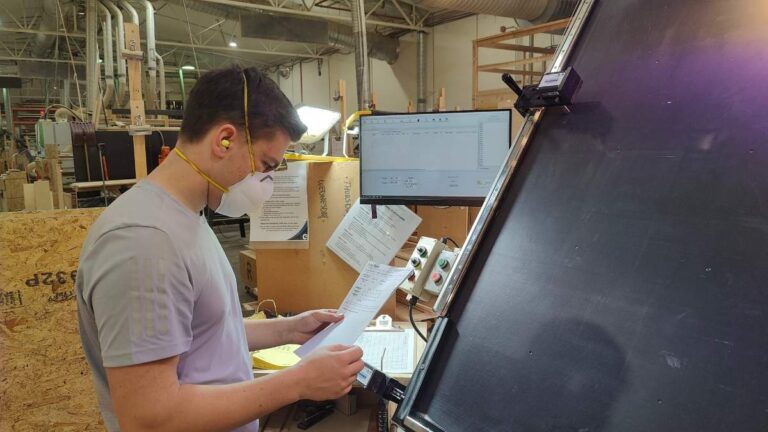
pixel 422 251
pixel 442 263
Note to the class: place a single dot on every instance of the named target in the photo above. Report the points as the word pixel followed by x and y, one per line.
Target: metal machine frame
pixel 404 415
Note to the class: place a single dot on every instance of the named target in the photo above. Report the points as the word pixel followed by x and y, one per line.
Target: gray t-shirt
pixel 154 283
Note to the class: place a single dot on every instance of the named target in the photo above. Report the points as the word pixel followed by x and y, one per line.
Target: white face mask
pixel 247 195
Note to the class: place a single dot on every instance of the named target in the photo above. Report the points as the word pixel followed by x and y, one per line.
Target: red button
pixel 437 278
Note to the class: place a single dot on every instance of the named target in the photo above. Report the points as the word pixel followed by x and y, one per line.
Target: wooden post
pixel 343 100
pixel 475 81
pixel 134 56
pixel 441 100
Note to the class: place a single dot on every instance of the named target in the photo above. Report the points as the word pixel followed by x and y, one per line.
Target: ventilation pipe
pixel 109 67
pixel 421 72
pixel 151 55
pixel 161 68
pixel 361 54
pixel 122 87
pixel 309 30
pixel 66 86
pixel 91 53
pixel 48 23
pixel 536 11
pixel 134 16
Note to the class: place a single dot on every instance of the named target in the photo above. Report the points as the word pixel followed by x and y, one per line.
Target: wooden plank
pixel 140 156
pixel 57 184
pixel 504 65
pixel 46 383
pixel 437 222
pixel 527 31
pixel 475 79
pixel 516 47
pixel 343 101
pixel 138 116
pixel 137 111
pixel 133 43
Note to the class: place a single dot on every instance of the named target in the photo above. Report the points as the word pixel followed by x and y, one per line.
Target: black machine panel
pixel 118 154
pixel 622 284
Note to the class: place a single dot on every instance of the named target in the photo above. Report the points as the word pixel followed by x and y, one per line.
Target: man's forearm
pixel 267 333
pixel 216 407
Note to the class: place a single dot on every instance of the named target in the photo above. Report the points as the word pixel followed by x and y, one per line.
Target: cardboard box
pixel 248 270
pixel 15 204
pixel 29 197
pixel 315 278
pixel 438 222
pixel 43 196
pixel 14 188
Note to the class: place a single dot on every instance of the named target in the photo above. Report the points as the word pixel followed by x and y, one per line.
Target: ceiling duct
pixel 536 11
pixel 48 23
pixel 42 70
pixel 315 31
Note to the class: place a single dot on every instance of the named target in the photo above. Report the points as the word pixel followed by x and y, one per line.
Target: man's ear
pixel 223 139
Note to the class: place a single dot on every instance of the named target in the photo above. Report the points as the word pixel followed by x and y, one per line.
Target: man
pixel 159 314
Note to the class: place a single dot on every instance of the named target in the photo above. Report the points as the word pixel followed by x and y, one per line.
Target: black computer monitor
pixel 442 158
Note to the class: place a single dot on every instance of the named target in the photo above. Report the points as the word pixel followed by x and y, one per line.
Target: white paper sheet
pixel 284 216
pixel 389 351
pixel 359 238
pixel 369 293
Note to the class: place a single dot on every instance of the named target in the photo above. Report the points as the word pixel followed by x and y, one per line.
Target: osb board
pixel 315 278
pixel 45 382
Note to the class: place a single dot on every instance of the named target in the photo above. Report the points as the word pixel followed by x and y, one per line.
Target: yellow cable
pixel 199 171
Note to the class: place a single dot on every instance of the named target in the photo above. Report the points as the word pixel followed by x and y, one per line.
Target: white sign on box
pixel 359 238
pixel 284 217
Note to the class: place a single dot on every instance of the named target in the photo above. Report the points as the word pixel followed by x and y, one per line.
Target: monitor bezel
pixel 425 200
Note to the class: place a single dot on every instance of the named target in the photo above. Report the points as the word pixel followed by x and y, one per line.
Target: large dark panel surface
pixel 623 283
pixel 118 152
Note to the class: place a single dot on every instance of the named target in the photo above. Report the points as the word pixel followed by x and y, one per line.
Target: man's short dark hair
pixel 217 98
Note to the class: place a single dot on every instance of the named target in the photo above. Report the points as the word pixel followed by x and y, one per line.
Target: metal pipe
pixel 183 90
pixel 122 86
pixel 66 88
pixel 361 54
pixel 8 112
pixel 421 73
pixel 109 67
pixel 536 11
pixel 175 44
pixel 91 53
pixel 48 22
pixel 131 10
pixel 151 55
pixel 342 18
pixel 44 60
pixel 161 68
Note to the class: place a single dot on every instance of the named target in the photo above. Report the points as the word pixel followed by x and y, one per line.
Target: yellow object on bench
pixel 276 358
